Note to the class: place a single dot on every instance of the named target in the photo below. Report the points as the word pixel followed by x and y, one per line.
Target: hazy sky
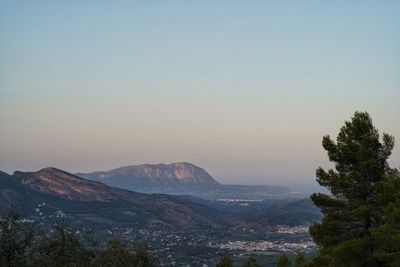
pixel 245 89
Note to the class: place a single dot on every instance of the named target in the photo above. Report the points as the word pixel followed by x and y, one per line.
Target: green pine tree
pixel 352 209
pixel 300 260
pixel 142 257
pixel 16 239
pixel 63 248
pixel 225 261
pixel 284 261
pixel 116 254
pixel 387 235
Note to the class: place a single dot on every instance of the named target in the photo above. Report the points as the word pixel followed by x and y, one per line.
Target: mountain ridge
pixel 50 191
pixel 179 178
pixel 84 200
pixel 178 174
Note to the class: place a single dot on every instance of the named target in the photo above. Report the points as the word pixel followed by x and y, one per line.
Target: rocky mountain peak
pixel 185 170
pixel 177 171
pixel 178 178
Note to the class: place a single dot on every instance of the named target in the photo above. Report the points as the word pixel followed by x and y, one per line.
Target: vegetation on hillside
pixel 23 243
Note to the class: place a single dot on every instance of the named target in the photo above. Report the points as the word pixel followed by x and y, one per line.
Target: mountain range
pixel 181 178
pixel 45 194
pixel 87 202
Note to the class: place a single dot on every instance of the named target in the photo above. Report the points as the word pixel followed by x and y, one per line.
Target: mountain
pixel 64 184
pixel 157 178
pixel 51 192
pixel 180 178
pixel 87 202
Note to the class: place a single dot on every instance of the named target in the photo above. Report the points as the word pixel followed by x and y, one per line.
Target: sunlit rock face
pixel 171 178
pixel 58 182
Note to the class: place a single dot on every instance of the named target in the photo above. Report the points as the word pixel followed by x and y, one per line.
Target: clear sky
pixel 245 89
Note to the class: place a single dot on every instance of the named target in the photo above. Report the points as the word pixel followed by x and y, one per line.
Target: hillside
pixel 88 202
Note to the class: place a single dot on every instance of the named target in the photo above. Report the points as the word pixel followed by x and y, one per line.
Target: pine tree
pixel 300 260
pixel 16 239
pixel 352 210
pixel 284 261
pixel 387 236
pixel 116 254
pixel 225 261
pixel 63 248
pixel 142 257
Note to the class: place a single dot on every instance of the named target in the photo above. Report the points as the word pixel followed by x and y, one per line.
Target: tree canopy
pixel 361 215
pixel 224 261
pixel 22 243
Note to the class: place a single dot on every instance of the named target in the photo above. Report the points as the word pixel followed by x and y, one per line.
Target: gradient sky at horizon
pixel 244 89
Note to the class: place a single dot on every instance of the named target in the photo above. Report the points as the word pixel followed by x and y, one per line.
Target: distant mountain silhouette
pixel 180 178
